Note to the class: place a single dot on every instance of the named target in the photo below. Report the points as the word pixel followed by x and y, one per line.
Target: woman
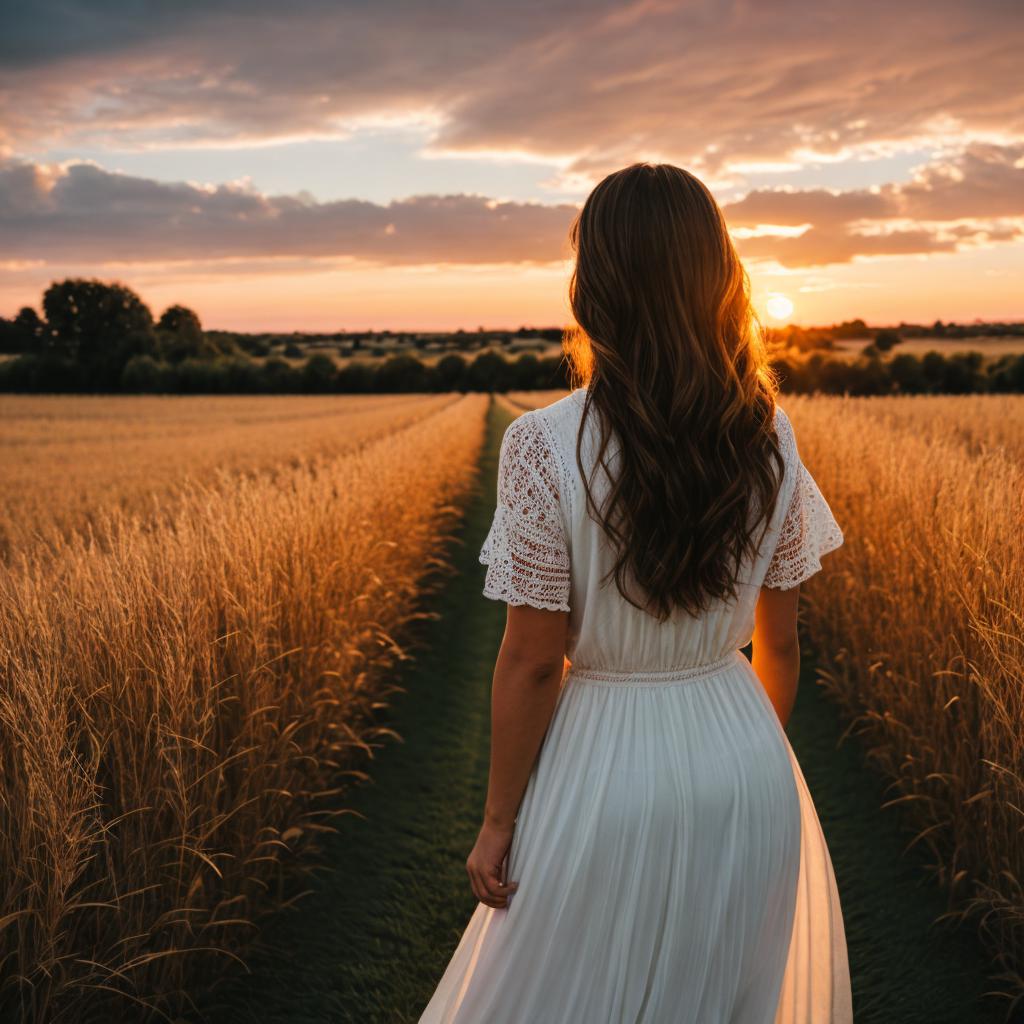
pixel 649 852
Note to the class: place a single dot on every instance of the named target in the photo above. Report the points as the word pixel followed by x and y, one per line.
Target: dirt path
pixel 370 943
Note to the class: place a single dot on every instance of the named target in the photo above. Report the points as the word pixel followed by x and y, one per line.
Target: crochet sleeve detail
pixel 526 551
pixel 809 529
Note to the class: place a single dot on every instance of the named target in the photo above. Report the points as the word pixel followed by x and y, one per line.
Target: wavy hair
pixel 674 361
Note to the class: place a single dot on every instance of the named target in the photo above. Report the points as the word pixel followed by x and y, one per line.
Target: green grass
pixel 372 940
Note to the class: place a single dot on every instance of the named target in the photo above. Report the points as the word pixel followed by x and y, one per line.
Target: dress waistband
pixel 627 677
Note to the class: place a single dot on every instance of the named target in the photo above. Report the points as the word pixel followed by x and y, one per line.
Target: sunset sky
pixel 343 165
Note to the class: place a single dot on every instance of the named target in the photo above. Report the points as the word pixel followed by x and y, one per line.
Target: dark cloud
pixel 697 82
pixel 84 213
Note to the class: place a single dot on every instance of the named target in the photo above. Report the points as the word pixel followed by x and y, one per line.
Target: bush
pixel 489 372
pixel 141 370
pixel 402 373
pixel 451 373
pixel 907 374
pixel 319 374
pixel 357 379
pixel 43 371
pixel 143 374
pixel 887 339
pixel 280 377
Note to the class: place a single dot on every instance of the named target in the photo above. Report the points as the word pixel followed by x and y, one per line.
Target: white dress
pixel 671 865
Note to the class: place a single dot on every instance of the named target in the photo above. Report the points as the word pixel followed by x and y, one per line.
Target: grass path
pixel 370 943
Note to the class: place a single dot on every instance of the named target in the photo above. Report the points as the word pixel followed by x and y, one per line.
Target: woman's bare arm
pixel 776 657
pixel 527 676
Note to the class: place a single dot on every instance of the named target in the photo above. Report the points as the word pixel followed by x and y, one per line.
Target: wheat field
pixel 190 657
pixel 69 463
pixel 919 619
pixel 179 703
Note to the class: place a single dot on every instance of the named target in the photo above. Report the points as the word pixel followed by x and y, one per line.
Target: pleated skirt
pixel 671 869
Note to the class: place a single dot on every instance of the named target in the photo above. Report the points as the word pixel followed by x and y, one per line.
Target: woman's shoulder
pixel 784 433
pixel 563 410
pixel 554 424
pixel 545 438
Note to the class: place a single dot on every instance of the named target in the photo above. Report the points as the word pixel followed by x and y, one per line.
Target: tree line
pixel 101 337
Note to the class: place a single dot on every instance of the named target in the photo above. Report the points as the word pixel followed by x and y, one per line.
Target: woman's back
pixel 555 554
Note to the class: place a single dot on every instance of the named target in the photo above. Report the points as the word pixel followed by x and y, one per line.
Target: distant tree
pixel 241 376
pixel 834 377
pixel 887 339
pixel 182 321
pixel 451 372
pixel 319 374
pixel 181 336
pixel 525 372
pixel 293 351
pixel 10 341
pixel 25 332
pixel 142 374
pixel 963 374
pixel 869 377
pixel 280 377
pixel 101 325
pixel 907 374
pixel 489 372
pixel 850 329
pixel 357 378
pixel 933 370
pixel 1007 374
pixel 402 373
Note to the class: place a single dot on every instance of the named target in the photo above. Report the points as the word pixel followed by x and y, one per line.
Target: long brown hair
pixel 673 356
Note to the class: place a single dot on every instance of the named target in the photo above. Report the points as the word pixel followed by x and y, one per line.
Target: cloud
pixel 84 213
pixel 704 83
pixel 983 184
pixel 81 213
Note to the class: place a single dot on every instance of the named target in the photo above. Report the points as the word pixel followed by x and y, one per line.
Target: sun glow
pixel 779 306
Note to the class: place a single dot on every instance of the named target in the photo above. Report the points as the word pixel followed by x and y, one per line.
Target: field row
pixel 919 618
pixel 179 705
pixel 69 463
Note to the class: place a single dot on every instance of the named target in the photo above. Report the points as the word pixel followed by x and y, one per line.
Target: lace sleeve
pixel 526 552
pixel 808 531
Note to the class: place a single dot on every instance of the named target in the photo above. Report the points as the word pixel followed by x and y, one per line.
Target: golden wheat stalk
pixel 178 705
pixel 917 620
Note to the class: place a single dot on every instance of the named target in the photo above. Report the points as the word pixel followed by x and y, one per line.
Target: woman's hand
pixel 485 863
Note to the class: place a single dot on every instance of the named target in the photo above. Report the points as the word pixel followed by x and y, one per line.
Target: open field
pixel 989 347
pixel 68 462
pixel 399 874
pixel 184 704
pixel 919 620
pixel 179 704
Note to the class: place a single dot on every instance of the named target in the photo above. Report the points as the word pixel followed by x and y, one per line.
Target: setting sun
pixel 779 307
